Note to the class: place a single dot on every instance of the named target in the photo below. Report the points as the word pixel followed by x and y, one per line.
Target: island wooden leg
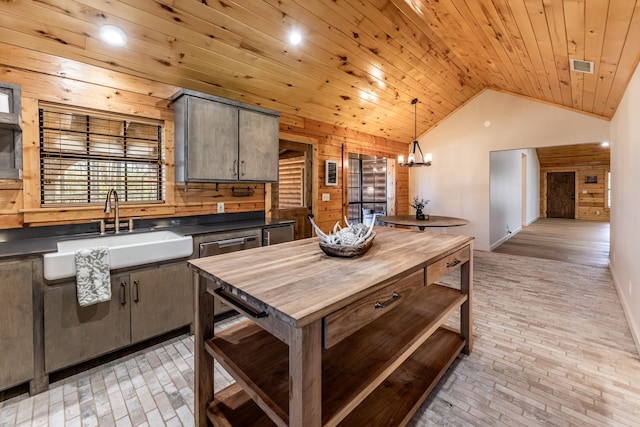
pixel 305 376
pixel 466 310
pixel 203 361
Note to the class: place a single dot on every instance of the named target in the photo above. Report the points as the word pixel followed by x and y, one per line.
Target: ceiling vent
pixel 581 66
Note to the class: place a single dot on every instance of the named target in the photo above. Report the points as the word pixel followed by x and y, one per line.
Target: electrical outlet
pixel 220 207
pixel 597 212
pixel 326 197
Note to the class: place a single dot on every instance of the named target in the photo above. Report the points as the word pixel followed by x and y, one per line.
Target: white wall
pixel 505 183
pixel 458 182
pixel 625 203
pixel 505 193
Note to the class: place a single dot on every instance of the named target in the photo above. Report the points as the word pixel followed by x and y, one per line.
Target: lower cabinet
pixel 16 318
pixel 160 300
pixel 144 304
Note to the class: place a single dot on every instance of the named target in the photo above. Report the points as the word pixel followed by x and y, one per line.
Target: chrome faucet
pixel 107 208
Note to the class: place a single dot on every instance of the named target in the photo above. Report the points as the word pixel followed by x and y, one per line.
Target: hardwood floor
pixel 567 240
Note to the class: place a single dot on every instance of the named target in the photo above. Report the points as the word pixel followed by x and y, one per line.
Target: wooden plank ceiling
pixel 361 61
pixel 574 155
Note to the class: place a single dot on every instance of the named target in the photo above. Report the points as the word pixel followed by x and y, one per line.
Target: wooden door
pixel 16 318
pixel 161 300
pixel 212 141
pixel 258 146
pixel 291 197
pixel 74 334
pixel 561 194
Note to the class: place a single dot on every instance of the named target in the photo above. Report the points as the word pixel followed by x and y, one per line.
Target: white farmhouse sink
pixel 125 250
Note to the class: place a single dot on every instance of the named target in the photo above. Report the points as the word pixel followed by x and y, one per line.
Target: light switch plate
pixel 326 197
pixel 220 207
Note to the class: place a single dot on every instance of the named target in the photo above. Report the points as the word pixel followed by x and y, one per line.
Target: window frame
pixel 137 153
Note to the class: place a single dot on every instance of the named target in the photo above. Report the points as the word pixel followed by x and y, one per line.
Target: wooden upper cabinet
pixel 212 148
pixel 258 158
pixel 219 140
pixel 10 132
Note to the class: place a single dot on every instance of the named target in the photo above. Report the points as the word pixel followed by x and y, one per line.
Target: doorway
pixel 367 192
pixel 292 195
pixel 561 194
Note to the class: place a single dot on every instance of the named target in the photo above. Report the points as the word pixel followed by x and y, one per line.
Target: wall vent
pixel 581 66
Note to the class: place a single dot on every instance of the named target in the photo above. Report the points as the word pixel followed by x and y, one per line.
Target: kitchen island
pixel 331 341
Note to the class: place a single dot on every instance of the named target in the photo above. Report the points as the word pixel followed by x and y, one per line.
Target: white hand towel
pixel 93 281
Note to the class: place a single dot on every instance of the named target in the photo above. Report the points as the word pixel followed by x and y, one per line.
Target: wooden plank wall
pixel 52 79
pixel 335 143
pixel 591 199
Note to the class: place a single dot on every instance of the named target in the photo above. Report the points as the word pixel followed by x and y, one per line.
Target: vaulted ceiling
pixel 361 62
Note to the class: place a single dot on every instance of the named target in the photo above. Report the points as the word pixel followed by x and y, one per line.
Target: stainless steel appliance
pixel 224 246
pixel 222 243
pixel 278 234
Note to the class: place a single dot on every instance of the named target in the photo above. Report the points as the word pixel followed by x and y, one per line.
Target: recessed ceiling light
pixel 295 37
pixel 113 36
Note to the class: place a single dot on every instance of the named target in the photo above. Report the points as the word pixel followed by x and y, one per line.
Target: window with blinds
pixel 84 154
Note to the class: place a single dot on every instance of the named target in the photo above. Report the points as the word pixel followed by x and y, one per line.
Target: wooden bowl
pixel 346 251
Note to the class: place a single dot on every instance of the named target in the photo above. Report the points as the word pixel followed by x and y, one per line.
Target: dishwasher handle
pixel 230 242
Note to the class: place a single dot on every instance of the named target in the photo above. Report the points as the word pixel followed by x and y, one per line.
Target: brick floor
pixel 552 348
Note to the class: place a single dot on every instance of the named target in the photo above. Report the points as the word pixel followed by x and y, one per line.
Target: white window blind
pixel 83 154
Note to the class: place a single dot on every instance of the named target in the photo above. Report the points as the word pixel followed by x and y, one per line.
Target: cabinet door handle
pixel 243 168
pixel 394 297
pixel 123 293
pixel 453 263
pixel 235 168
pixel 268 238
pixel 136 284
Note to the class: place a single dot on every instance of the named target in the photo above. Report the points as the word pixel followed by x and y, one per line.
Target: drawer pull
pixel 394 297
pixel 233 301
pixel 453 263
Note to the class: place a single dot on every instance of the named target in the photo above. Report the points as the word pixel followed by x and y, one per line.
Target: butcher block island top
pixel 331 341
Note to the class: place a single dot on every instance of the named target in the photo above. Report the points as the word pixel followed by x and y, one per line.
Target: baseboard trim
pixel 505 238
pixel 635 334
pixel 528 223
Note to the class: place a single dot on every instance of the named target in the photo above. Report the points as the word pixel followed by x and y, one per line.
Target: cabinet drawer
pixel 447 264
pixel 342 323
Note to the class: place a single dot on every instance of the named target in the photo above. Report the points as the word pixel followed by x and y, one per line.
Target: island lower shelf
pixel 406 346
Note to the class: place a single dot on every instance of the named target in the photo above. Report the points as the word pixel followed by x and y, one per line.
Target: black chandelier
pixel 416 157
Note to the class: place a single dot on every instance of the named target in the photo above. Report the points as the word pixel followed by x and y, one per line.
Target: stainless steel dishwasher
pixel 218 247
pixel 222 243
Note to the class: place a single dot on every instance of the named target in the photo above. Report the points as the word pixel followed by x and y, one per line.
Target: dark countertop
pixel 41 240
